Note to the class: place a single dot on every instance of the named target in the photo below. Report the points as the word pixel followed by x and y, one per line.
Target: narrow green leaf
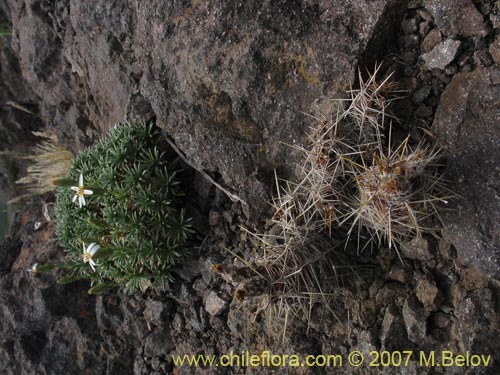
pixel 100 288
pixel 42 268
pixel 68 279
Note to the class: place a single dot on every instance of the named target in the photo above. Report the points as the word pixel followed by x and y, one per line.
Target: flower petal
pixel 80 180
pixel 74 198
pixel 93 248
pixel 92 263
pixel 74 188
pixel 81 200
pixel 88 192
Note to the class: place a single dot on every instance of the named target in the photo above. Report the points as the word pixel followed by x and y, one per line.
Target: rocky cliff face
pixel 229 82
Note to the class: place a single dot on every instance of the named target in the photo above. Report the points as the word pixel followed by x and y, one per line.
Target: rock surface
pixel 442 54
pixel 457 17
pixel 229 81
pixel 214 304
pixel 467 124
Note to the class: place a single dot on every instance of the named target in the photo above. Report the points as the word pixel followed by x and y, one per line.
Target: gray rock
pixel 495 20
pixel 442 54
pixel 426 291
pixel 457 17
pixel 417 249
pixel 477 322
pixel 415 320
pixel 467 125
pixel 178 323
pixel 482 58
pixel 215 305
pixel 195 318
pixel 158 343
pixel 189 269
pixel 495 50
pixel 392 331
pixel 153 312
pixel 423 111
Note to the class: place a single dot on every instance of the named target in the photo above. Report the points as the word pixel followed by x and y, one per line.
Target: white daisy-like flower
pixel 80 192
pixel 89 252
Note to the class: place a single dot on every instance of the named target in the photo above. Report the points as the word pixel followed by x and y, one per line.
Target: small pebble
pixel 425 15
pixel 413 4
pixel 423 111
pixel 432 39
pixel 424 28
pixel 409 26
pixel 480 43
pixel 213 218
pixel 408 71
pixel 441 320
pixel 421 94
pixel 409 57
pixel 463 59
pixel 466 68
pixel 444 78
pixel 495 51
pixel 495 20
pixel 436 87
pixel 425 76
pixel 451 69
pixel 483 58
pixel 484 8
pixel 410 41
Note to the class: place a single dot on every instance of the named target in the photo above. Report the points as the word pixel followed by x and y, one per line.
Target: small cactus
pixel 352 178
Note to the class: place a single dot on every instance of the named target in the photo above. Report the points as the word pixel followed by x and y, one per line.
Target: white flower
pixel 89 252
pixel 33 268
pixel 80 192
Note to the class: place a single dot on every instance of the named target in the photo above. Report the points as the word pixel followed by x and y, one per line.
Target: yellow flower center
pixel 80 191
pixel 87 257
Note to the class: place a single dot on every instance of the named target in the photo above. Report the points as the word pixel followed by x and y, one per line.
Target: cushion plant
pixel 121 205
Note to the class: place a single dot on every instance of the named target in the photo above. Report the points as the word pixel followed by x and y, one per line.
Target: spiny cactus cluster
pixel 354 183
pixel 354 177
pixel 121 223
